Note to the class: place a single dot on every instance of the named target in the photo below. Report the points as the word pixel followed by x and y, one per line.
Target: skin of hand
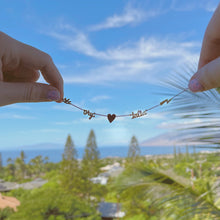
pixel 208 73
pixel 20 68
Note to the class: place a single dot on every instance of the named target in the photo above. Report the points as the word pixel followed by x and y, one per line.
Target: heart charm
pixel 111 118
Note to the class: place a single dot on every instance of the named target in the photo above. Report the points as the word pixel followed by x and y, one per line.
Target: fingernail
pixel 195 86
pixel 53 95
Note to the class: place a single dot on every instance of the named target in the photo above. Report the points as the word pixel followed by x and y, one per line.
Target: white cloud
pixel 149 48
pixel 144 48
pixel 186 123
pixel 156 115
pixel 45 130
pixel 209 6
pixel 113 72
pixel 16 116
pixel 129 16
pixel 99 98
pixel 78 42
pixel 142 60
pixel 63 123
pixel 49 130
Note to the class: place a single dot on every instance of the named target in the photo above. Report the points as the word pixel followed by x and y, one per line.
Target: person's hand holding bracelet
pixel 20 67
pixel 208 74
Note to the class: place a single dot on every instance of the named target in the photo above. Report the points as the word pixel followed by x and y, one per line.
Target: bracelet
pixel 111 117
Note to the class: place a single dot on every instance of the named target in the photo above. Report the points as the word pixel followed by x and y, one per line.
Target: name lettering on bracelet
pixel 138 114
pixel 87 112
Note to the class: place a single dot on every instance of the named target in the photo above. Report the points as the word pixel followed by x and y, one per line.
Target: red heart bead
pixel 111 118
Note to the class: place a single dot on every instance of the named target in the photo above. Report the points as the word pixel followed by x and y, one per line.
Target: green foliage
pixel 156 188
pixel 18 171
pixel 90 162
pixel 52 175
pixel 69 194
pixel 183 169
pixel 37 166
pixel 146 190
pixel 19 193
pixel 5 213
pixel 53 203
pixel 10 170
pixel 51 169
pixel 69 150
pixel 90 166
pixel 69 175
pixel 20 167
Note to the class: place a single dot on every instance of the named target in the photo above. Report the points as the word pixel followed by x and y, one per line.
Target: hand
pixel 208 74
pixel 19 70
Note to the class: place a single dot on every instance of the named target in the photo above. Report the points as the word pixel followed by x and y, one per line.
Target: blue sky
pixel 112 56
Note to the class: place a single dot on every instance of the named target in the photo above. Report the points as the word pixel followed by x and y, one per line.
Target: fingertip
pixel 58 84
pixel 208 77
pixel 195 86
pixel 53 95
pixel 60 89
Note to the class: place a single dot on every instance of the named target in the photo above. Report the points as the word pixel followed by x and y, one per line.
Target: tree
pixel 89 167
pixel 69 177
pixel 5 213
pixel 36 165
pixel 69 150
pixel 20 166
pixel 50 202
pixel 90 160
pixel 153 191
pixel 22 156
pixel 134 149
pixel 10 170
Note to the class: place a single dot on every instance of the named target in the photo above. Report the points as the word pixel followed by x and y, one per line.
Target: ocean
pixel 55 155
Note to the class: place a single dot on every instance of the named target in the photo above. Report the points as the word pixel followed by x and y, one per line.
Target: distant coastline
pixel 55 155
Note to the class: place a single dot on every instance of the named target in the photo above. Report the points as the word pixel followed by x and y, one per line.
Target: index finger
pixel 39 60
pixel 211 42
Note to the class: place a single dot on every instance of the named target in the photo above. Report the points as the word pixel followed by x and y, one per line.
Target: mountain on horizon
pixel 165 139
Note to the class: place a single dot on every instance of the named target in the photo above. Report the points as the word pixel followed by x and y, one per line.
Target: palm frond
pixel 169 193
pixel 197 113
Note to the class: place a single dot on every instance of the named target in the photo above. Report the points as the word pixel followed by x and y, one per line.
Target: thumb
pixel 208 77
pixel 27 92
